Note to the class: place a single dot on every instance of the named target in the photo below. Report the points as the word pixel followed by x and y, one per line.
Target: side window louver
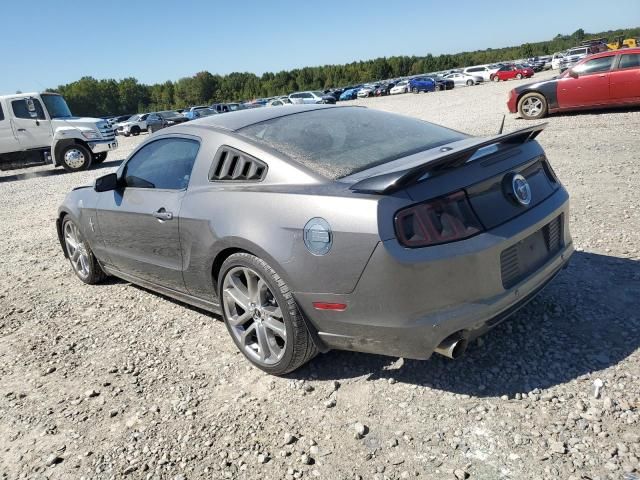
pixel 230 164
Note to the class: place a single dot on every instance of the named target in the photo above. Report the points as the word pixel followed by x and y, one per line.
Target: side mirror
pixel 573 74
pixel 106 183
pixel 31 107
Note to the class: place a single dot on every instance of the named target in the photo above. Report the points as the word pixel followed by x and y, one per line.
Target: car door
pixel 32 129
pixel 624 81
pixel 8 140
pixel 590 88
pixel 139 222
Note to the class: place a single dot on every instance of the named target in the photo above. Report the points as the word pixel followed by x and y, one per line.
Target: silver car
pixel 317 227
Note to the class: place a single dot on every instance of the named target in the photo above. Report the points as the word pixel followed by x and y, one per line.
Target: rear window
pixel 1 114
pixel 336 142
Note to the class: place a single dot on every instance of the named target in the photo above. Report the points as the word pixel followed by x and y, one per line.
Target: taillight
pixel 442 220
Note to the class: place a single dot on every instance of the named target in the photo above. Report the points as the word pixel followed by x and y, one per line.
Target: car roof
pixel 233 121
pixel 620 51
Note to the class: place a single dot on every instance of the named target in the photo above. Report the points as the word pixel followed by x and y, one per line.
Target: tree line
pixel 89 96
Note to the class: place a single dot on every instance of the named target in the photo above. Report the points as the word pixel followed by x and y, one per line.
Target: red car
pixel 607 79
pixel 512 71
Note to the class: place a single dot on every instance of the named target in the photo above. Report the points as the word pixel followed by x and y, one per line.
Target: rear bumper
pixel 406 303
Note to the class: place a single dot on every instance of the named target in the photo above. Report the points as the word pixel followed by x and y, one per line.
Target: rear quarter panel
pixel 267 219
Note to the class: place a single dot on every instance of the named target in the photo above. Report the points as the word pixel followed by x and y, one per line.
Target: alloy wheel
pixel 254 316
pixel 532 106
pixel 76 250
pixel 74 158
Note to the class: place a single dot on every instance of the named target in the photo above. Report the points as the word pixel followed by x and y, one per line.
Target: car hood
pixel 79 122
pixel 536 85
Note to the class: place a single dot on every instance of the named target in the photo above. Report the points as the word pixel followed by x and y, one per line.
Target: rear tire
pixel 99 157
pixel 532 106
pixel 269 331
pixel 75 157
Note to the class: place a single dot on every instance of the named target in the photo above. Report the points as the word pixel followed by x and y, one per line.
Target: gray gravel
pixel 113 381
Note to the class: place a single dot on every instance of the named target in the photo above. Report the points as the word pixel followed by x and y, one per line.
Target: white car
pixel 278 102
pixel 367 91
pixel 483 71
pixel 134 126
pixel 310 97
pixel 555 60
pixel 401 87
pixel 460 79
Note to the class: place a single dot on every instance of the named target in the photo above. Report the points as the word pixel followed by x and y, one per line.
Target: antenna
pixel 501 125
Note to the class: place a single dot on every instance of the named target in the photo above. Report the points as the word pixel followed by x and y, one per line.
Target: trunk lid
pixel 483 168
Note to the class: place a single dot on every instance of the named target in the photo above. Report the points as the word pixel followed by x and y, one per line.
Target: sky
pixel 46 43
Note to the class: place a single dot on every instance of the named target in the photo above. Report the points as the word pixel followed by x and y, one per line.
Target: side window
pixel 306 95
pixel 294 95
pixel 628 60
pixel 20 109
pixel 596 65
pixel 165 164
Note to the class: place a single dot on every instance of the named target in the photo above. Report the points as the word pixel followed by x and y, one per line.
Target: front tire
pixel 75 157
pixel 469 83
pixel 532 106
pixel 519 76
pixel 415 90
pixel 135 131
pixel 262 316
pixel 496 78
pixel 83 261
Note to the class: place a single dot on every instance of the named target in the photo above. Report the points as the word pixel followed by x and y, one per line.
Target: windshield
pixel 318 94
pixel 337 142
pixel 56 106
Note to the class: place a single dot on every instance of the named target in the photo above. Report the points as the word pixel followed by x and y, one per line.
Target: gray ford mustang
pixel 312 228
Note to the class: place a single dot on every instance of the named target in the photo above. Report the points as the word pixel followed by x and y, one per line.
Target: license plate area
pixel 529 254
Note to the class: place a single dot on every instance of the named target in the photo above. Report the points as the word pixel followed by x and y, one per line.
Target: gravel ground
pixel 113 381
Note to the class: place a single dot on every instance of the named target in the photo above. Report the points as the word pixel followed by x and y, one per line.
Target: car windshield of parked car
pixel 56 106
pixel 337 142
pixel 602 64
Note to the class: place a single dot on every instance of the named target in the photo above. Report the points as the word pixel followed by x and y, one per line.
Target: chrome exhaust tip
pixel 452 347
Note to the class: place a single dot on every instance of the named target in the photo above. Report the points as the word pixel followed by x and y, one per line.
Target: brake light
pixel 443 220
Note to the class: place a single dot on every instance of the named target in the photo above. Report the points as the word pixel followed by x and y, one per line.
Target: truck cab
pixel 38 128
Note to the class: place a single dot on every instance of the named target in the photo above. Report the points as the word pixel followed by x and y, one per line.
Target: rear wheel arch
pixel 219 260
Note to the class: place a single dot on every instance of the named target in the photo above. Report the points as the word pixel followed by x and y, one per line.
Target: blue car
pixel 422 84
pixel 350 94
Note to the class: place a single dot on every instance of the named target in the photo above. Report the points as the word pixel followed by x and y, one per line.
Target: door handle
pixel 22 129
pixel 162 214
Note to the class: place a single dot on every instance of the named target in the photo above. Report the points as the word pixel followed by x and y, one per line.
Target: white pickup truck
pixel 38 128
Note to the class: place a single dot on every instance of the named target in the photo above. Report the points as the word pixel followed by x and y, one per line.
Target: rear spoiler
pixel 394 181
